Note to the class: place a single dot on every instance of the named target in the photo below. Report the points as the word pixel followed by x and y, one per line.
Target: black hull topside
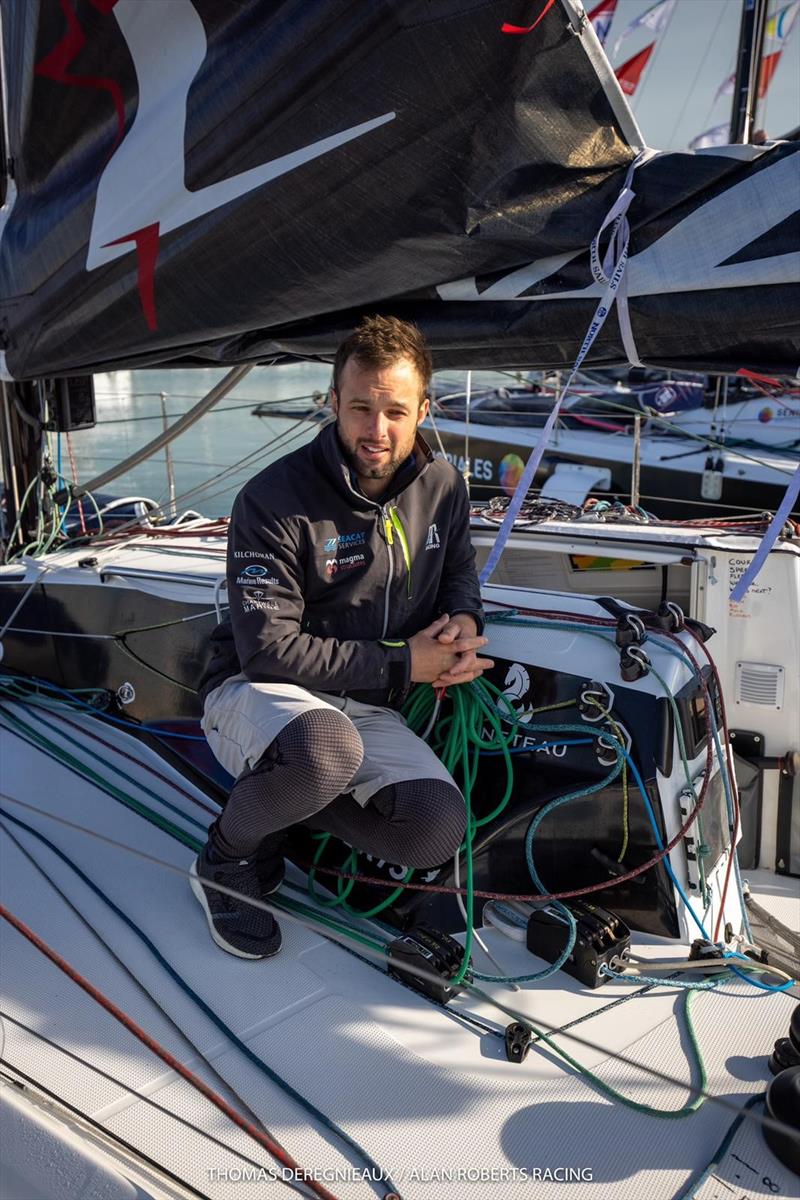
pixel 145 667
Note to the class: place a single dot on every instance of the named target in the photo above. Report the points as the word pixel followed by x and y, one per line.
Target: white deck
pixel 778 894
pixel 415 1088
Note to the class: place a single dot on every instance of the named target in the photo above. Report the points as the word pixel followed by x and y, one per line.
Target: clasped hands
pixel 445 653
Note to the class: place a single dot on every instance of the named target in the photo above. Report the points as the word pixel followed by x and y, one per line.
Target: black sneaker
pixel 270 863
pixel 236 926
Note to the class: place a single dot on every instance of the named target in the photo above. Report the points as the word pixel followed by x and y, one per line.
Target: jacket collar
pixel 331 460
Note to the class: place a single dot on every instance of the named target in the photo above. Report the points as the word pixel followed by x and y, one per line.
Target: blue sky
pixel 675 98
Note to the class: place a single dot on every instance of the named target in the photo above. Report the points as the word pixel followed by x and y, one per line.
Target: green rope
pixel 460 735
pixel 55 751
pixel 668 1113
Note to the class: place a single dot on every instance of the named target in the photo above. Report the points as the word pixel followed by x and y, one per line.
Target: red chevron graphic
pixel 56 64
pixel 146 241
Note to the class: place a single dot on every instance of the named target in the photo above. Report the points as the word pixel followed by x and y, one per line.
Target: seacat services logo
pixel 343 541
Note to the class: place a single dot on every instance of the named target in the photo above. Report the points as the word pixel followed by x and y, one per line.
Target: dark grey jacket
pixel 325 585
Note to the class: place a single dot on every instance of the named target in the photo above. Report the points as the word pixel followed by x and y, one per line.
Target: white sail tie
pixel 611 272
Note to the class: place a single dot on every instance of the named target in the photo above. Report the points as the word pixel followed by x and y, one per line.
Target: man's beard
pixel 364 470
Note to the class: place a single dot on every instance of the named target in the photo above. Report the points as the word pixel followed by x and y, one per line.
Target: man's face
pixel 377 413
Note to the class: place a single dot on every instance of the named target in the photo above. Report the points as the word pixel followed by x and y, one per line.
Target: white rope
pixel 467 398
pixel 477 937
pixel 436 431
pixel 619 239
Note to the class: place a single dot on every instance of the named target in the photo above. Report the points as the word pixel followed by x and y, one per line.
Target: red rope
pixel 269 1144
pixel 768 384
pixel 210 529
pixel 522 29
pixel 594 887
pixel 595 423
pixel 74 470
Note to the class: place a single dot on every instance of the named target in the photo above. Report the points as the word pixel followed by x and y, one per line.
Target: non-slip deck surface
pixel 423 1095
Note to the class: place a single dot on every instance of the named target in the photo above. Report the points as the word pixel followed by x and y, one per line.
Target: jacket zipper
pixel 388 534
pixel 401 535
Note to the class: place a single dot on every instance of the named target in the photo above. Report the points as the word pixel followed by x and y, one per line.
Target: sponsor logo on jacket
pixel 433 541
pixel 344 540
pixel 253 605
pixel 263 554
pixel 349 563
pixel 259 577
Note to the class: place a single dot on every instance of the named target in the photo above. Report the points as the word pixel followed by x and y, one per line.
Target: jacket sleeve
pixel 266 582
pixel 460 590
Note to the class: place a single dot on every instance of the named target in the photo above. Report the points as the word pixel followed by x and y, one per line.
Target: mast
pixel 20 451
pixel 20 407
pixel 748 69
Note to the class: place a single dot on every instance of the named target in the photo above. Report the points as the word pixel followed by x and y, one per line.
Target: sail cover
pixel 220 181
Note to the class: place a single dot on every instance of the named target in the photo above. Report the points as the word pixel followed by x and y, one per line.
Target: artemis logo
pixel 255 571
pixel 127 215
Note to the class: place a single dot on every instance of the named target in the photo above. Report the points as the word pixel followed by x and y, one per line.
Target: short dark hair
pixel 381 342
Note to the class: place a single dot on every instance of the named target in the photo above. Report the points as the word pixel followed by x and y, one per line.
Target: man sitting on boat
pixel 351 575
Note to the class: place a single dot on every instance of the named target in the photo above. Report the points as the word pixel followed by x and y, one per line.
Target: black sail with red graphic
pixel 218 181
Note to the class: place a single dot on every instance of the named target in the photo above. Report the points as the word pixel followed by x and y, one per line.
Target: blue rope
pixel 202 826
pixel 765 987
pixel 202 1005
pixel 533 749
pixel 512 615
pixel 569 919
pixel 76 701
pixel 707 985
pixel 770 537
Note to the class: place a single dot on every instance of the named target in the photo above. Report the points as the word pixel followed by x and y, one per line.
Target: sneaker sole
pixel 197 888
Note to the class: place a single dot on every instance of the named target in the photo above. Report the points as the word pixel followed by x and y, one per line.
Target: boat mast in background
pixel 20 432
pixel 748 67
pixel 20 456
